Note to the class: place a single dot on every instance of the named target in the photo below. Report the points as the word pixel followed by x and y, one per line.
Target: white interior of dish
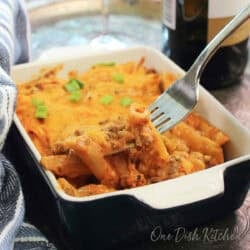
pixel 165 194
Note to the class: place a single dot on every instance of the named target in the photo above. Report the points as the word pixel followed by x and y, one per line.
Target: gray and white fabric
pixel 14 48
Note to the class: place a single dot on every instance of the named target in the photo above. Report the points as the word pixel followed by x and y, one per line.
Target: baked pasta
pixel 94 133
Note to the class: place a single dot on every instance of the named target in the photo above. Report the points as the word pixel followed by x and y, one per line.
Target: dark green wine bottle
pixel 188 25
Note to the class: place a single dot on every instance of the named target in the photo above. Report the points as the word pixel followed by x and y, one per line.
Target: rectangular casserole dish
pixel 102 221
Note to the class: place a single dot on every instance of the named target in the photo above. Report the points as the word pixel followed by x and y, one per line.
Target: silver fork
pixel 180 98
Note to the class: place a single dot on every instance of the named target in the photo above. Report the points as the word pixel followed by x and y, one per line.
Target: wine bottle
pixel 188 25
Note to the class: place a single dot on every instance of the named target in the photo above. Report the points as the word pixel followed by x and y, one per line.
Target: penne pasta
pixel 197 142
pixel 65 165
pixel 91 154
pixel 94 132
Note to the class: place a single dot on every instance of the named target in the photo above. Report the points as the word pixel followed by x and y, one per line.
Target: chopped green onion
pixel 37 102
pixel 75 96
pixel 126 101
pixel 118 77
pixel 41 112
pixel 108 64
pixel 73 85
pixel 106 99
pixel 41 108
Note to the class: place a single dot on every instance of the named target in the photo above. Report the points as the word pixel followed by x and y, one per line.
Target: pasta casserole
pixel 94 133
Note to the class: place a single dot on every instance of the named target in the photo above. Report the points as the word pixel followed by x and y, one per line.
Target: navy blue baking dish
pixel 104 221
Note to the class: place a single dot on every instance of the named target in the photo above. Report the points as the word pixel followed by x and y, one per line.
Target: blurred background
pixel 57 23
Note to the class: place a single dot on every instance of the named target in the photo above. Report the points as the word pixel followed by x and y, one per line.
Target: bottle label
pixel 169 13
pixel 220 13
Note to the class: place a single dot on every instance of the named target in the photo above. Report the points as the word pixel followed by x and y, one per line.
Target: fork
pixel 174 104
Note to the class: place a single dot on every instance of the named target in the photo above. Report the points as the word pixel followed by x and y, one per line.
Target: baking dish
pixel 104 220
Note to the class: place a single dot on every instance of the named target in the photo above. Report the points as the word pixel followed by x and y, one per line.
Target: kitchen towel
pixel 14 48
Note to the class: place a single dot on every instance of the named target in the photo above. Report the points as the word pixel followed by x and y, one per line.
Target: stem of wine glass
pixel 105 15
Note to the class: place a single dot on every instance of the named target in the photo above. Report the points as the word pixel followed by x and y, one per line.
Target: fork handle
pixel 202 60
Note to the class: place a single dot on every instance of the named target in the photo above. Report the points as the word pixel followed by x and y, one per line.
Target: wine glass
pixel 111 35
pixel 95 25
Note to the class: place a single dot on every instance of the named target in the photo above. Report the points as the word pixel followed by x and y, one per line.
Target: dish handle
pixel 229 180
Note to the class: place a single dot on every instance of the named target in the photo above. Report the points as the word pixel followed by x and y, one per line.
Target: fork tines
pixel 166 111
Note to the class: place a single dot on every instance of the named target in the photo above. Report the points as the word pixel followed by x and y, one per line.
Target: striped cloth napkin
pixel 14 48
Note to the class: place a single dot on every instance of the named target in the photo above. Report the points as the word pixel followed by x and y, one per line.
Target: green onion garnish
pixel 118 77
pixel 41 112
pixel 37 102
pixel 73 85
pixel 41 108
pixel 106 99
pixel 75 96
pixel 126 101
pixel 108 64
